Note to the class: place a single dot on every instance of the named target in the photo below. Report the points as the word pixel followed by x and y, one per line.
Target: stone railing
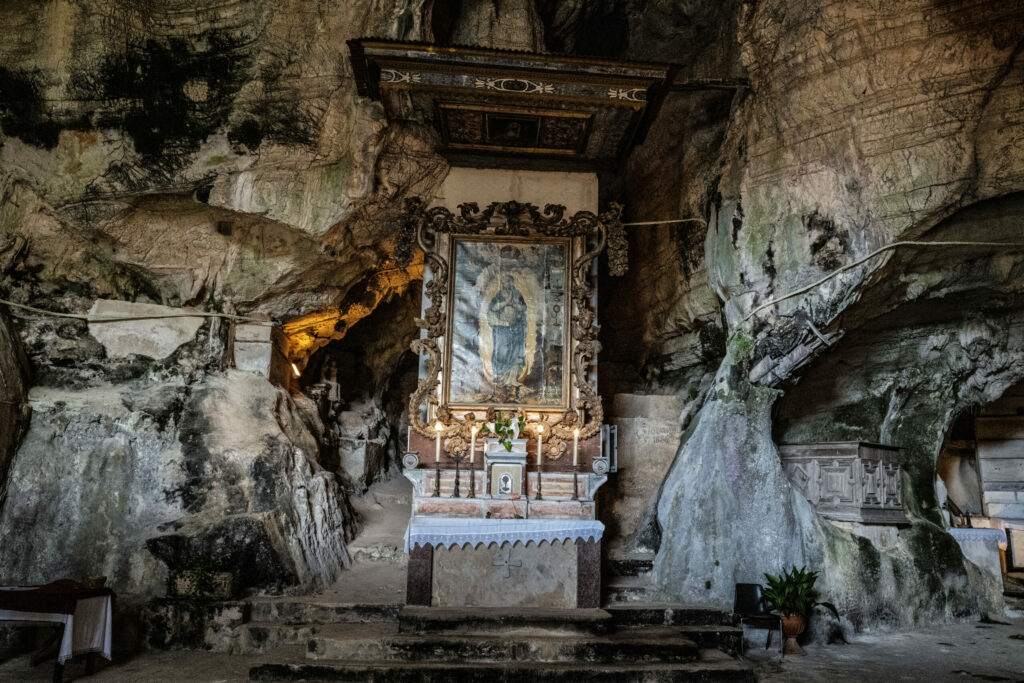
pixel 848 481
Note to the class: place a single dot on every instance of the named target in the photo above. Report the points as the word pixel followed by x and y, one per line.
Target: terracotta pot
pixel 792 626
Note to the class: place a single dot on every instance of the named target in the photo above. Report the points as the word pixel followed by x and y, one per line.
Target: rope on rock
pixel 674 220
pixel 876 252
pixel 128 318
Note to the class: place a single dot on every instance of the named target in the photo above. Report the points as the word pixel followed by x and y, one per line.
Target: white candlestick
pixel 472 444
pixel 575 447
pixel 437 453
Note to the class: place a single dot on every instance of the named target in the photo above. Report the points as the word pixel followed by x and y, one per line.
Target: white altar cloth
pixel 473 531
pixel 981 546
pixel 87 630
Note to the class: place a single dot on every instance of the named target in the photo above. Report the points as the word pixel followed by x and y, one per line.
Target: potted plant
pixel 791 594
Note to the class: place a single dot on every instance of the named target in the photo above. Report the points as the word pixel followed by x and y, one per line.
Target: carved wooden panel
pixel 848 481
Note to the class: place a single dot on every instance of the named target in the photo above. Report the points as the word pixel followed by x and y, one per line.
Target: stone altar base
pixel 550 574
pixel 517 575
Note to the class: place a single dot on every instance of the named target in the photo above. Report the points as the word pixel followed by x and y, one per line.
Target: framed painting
pixel 508 332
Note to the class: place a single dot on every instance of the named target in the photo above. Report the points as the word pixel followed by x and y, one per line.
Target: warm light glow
pixel 295 369
pixel 475 429
pixel 540 429
pixel 438 426
pixel 576 432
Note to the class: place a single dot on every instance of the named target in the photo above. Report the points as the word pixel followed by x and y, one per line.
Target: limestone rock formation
pixel 812 183
pixel 132 480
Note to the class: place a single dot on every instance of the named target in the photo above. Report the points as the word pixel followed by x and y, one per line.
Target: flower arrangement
pixel 505 429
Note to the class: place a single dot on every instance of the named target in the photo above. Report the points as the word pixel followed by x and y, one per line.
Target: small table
pixel 85 616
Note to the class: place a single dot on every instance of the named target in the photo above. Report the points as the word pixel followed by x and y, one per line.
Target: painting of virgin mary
pixel 506 315
pixel 507 327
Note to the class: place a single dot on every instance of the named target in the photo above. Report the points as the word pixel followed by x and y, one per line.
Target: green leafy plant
pixel 792 593
pixel 505 429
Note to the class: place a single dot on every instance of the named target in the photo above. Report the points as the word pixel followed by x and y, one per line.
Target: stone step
pixel 508 672
pixel 626 590
pixel 422 620
pixel 397 499
pixel 257 638
pixel 661 614
pixel 633 565
pixel 728 639
pixel 390 553
pixel 291 612
pixel 637 646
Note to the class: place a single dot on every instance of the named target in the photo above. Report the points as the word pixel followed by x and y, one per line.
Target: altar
pixel 505 450
pixel 461 562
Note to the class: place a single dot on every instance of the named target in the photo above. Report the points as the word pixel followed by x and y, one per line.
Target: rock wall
pixel 14 409
pixel 864 124
pixel 130 480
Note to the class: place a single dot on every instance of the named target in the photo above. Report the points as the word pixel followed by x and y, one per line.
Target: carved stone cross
pixel 507 562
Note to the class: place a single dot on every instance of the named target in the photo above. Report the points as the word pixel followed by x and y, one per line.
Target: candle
pixel 472 443
pixel 575 446
pixel 437 454
pixel 540 440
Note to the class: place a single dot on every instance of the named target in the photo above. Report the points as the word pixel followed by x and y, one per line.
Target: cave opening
pixel 357 383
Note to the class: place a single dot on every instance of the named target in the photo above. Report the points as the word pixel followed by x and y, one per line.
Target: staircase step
pixel 292 612
pixel 257 637
pixel 728 639
pixel 627 589
pixel 659 614
pixel 633 565
pixel 508 672
pixel 636 646
pixel 378 552
pixel 422 620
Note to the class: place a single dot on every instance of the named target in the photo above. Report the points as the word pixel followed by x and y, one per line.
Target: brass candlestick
pixel 472 481
pixel 455 493
pixel 437 480
pixel 575 482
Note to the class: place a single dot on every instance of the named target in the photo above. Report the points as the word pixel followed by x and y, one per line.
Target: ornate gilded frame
pixel 428 228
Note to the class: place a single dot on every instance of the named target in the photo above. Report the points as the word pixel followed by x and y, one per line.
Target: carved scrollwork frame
pixel 423 227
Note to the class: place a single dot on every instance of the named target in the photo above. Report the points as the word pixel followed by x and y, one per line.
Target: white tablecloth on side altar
pixel 981 546
pixel 87 630
pixel 458 531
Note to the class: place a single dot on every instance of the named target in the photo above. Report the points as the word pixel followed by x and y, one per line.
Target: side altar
pixel 505 451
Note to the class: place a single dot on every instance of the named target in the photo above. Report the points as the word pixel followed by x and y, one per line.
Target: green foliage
pixel 740 345
pixel 792 593
pixel 506 428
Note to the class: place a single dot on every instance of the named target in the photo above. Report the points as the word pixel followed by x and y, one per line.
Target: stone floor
pixel 956 653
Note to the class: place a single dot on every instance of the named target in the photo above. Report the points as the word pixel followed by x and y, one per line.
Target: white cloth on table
pixel 460 531
pixel 981 546
pixel 87 630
